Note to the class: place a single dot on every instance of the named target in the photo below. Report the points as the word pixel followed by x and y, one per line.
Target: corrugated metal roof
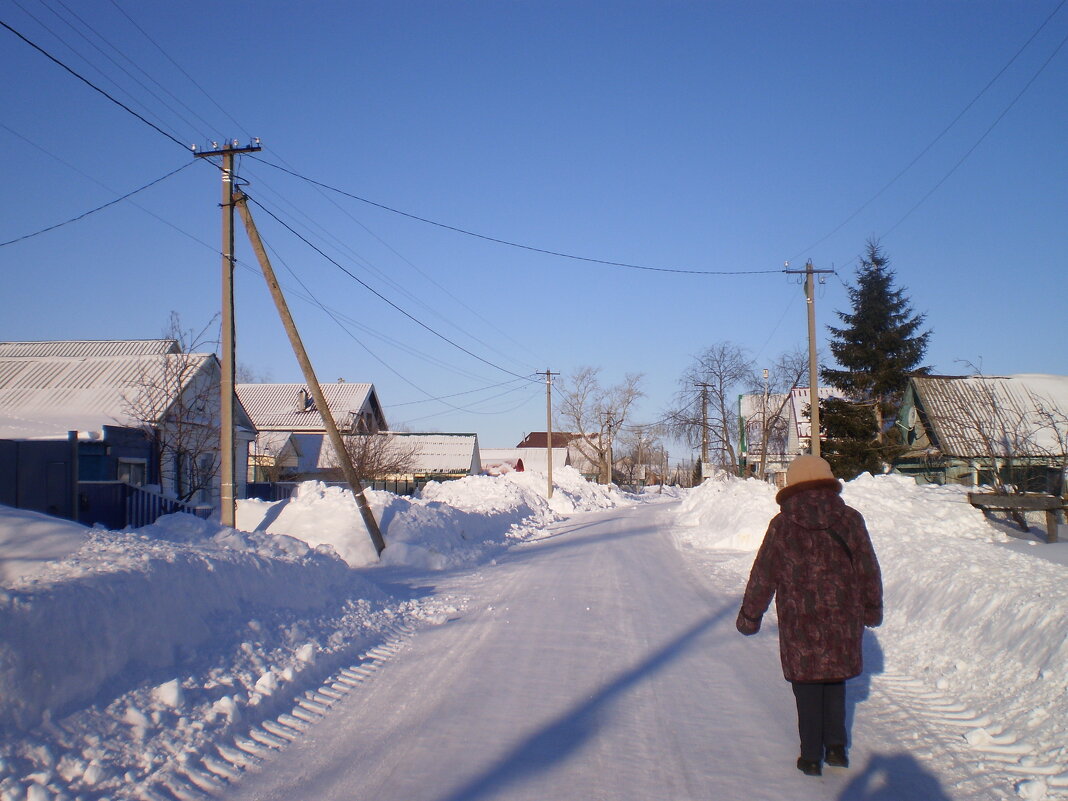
pixel 433 453
pixel 282 407
pixel 59 391
pixel 80 348
pixel 981 416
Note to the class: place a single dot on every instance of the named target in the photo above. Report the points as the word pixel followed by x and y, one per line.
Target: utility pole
pixel 704 426
pixel 549 425
pixel 227 500
pixel 309 375
pixel 813 373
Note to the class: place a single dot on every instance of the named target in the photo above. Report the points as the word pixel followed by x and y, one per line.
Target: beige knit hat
pixel 807 468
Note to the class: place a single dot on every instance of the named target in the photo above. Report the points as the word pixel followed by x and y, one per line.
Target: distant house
pixel 136 412
pixel 502 460
pixel 291 429
pixel 984 430
pixel 788 426
pixel 537 440
pixel 433 457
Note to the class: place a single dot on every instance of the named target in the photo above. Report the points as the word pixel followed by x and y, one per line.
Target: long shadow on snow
pixel 894 777
pixel 569 732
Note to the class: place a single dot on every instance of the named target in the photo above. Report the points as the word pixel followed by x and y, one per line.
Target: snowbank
pixel 29 540
pixel 125 604
pixel 449 524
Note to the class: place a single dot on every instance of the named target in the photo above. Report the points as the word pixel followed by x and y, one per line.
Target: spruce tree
pixel 878 347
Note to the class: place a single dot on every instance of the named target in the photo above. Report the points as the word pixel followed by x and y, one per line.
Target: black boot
pixel 837 756
pixel 809 767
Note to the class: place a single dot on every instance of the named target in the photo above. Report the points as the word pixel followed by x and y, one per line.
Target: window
pixel 132 471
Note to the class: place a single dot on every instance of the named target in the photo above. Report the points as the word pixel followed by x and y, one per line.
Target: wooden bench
pixel 1016 504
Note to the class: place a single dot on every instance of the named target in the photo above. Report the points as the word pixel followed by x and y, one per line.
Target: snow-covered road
pixel 599 663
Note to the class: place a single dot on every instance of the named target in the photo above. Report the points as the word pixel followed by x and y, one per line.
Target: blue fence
pixel 282 490
pixel 116 505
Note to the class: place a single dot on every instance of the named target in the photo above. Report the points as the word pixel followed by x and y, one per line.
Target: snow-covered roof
pixel 44 397
pixel 290 407
pixel 1009 415
pixel 432 453
pixel 102 347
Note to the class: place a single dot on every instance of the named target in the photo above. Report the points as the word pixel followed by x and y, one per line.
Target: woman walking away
pixel 818 562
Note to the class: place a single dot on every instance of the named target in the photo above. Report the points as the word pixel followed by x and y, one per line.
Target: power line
pixel 937 139
pixel 93 86
pixel 93 211
pixel 380 296
pixel 980 140
pixel 178 67
pixel 519 245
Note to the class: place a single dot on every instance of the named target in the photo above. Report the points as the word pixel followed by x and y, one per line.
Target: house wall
pixel 39 475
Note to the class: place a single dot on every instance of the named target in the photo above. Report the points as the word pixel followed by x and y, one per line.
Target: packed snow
pixel 152 664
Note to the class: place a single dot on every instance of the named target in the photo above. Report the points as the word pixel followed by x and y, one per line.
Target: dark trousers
pixel 820 717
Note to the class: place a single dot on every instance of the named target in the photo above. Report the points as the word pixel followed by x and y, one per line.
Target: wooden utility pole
pixel 704 426
pixel 549 424
pixel 227 499
pixel 813 371
pixel 332 432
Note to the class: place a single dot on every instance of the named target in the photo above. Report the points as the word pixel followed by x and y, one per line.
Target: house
pixel 75 415
pixel 426 457
pixel 788 429
pixel 538 440
pixel 291 429
pixel 500 460
pixel 978 430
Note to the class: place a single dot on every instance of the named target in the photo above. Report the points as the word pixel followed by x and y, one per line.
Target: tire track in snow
pixel 954 733
pixel 212 775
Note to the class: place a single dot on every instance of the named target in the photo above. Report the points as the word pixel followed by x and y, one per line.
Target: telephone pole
pixel 704 426
pixel 549 424
pixel 227 500
pixel 813 377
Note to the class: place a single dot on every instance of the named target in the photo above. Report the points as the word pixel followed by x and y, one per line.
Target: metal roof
pixel 46 396
pixel 289 407
pixel 81 348
pixel 432 453
pixel 981 416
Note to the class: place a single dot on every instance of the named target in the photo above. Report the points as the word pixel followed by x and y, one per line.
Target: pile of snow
pixel 448 524
pixel 29 540
pixel 976 615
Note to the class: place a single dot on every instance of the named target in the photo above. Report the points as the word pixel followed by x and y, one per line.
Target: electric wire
pixel 454 394
pixel 177 66
pixel 382 275
pixel 980 140
pixel 336 318
pixel 92 211
pixel 936 140
pixel 379 295
pixel 424 274
pixel 94 87
pixel 509 243
pixel 120 67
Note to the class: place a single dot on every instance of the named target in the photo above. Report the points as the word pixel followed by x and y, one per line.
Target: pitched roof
pixel 533 458
pixel 43 397
pixel 80 348
pixel 971 416
pixel 433 453
pixel 290 407
pixel 539 439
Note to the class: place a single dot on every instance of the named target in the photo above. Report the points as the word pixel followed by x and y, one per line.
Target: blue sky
pixel 708 136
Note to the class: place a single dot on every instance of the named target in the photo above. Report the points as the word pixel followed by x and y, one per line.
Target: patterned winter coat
pixel 826 588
